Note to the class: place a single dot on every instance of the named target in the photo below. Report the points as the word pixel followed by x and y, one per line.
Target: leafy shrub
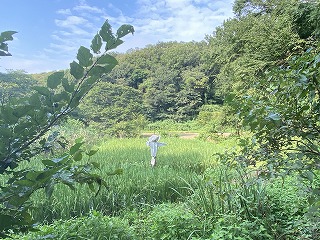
pixel 94 226
pixel 25 122
pixel 243 206
pixel 169 221
pixel 127 129
pixel 229 227
pixel 287 218
pixel 216 118
pixel 71 129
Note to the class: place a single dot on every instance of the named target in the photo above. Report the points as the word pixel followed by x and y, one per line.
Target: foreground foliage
pixel 284 116
pixel 24 123
pixel 189 195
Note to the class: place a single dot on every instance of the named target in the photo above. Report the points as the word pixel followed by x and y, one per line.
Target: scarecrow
pixel 154 144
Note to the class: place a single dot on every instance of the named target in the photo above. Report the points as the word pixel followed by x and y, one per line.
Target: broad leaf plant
pixel 25 123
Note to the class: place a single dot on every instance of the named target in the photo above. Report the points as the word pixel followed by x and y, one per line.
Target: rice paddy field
pixel 140 185
pixel 189 194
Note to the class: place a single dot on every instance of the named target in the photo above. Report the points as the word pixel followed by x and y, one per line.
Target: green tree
pixel 307 18
pixel 160 90
pixel 244 48
pixel 15 84
pixel 261 7
pixel 263 34
pixel 109 103
pixel 283 113
pixel 171 76
pixel 304 14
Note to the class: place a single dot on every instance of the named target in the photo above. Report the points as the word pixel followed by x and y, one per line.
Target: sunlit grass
pixel 140 185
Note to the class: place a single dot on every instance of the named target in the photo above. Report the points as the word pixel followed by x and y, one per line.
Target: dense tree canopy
pixel 263 35
pixel 109 104
pixel 280 105
pixel 171 79
pixel 174 79
pixel 15 84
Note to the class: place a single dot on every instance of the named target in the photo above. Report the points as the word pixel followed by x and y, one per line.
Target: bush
pixel 169 221
pixel 73 128
pixel 245 207
pixel 288 212
pixel 231 227
pixel 94 226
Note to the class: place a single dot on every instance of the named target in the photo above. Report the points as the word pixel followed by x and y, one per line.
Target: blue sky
pixel 51 31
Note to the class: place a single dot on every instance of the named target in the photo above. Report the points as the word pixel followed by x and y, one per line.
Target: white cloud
pixel 154 21
pixel 64 11
pixel 86 7
pixel 181 20
pixel 34 64
pixel 70 21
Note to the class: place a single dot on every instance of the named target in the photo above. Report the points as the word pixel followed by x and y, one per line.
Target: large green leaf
pixel 9 116
pixel 25 182
pixel 60 97
pixel 96 43
pixel 61 160
pixel 77 155
pixel 49 189
pixel 68 87
pixel 49 163
pixel 106 32
pixel 54 80
pixel 75 148
pixel 112 44
pixel 108 59
pixel 4 53
pixel 7 221
pixel 97 71
pixel 34 100
pixel 75 101
pixel 24 127
pixel 100 70
pixel 33 175
pixel 21 111
pixel 7 36
pixel 92 152
pixel 124 30
pixel 5 133
pixel 91 80
pixel 84 56
pixel 42 90
pixel 4 47
pixel 76 70
pixel 108 68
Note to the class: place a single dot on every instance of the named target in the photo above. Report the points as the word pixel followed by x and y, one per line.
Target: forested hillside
pixel 172 80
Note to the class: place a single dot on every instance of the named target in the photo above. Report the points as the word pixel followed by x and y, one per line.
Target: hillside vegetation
pixel 256 78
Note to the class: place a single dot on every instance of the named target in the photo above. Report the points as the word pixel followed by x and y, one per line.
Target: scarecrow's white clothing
pixel 154 147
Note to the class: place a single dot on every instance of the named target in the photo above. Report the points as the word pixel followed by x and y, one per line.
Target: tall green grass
pixel 190 194
pixel 140 185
